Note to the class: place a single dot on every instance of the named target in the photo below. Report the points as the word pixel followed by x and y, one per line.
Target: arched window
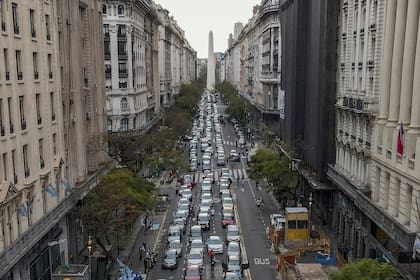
pixel 109 125
pixel 124 124
pixel 120 10
pixel 124 103
pixel 104 9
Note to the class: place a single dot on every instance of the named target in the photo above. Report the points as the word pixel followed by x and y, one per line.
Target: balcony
pixel 121 36
pixel 122 55
pixel 268 8
pixel 27 240
pixel 108 74
pixel 106 36
pixel 122 84
pixel 107 55
pixel 395 230
pixel 370 64
pixel 123 74
pixel 19 76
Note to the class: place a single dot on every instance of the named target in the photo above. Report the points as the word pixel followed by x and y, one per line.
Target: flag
pixel 22 210
pixel 400 140
pixel 65 181
pixel 416 246
pixel 50 189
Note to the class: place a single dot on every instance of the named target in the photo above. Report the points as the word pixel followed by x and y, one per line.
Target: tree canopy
pixel 275 169
pixel 366 269
pixel 113 206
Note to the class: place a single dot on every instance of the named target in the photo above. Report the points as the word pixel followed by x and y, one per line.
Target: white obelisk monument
pixel 211 70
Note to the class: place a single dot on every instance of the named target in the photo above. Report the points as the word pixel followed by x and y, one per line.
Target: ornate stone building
pixel 52 127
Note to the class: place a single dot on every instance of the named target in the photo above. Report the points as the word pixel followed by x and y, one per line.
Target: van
pixel 232 233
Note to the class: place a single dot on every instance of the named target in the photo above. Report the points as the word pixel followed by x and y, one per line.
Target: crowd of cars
pixel 190 224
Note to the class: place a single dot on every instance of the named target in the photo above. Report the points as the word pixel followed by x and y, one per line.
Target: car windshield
pixel 195 233
pixel 214 241
pixel 193 272
pixel 234 262
pixel 195 255
pixel 233 232
pixel 203 217
pixel 196 245
pixel 233 248
pixel 171 255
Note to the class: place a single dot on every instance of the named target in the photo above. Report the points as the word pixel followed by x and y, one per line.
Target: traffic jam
pixel 204 236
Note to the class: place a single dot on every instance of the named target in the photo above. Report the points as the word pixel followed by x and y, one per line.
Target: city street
pixel 252 221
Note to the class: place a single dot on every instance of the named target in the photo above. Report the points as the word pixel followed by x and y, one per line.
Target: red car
pixel 192 273
pixel 227 219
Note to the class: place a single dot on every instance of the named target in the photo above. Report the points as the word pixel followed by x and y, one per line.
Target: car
pixel 220 160
pixel 174 233
pixel 205 205
pixel 177 246
pixel 186 193
pixel 227 202
pixel 232 233
pixel 184 207
pixel 227 219
pixel 234 264
pixel 170 259
pixel 224 193
pixel 234 155
pixel 233 249
pixel 231 276
pixel 204 220
pixel 227 210
pixel 184 200
pixel 207 196
pixel 195 233
pixel 192 272
pixel 180 222
pixel 195 257
pixel 197 244
pixel 214 243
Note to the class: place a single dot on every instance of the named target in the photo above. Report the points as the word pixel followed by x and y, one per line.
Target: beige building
pixel 52 126
pixel 177 59
pixel 131 69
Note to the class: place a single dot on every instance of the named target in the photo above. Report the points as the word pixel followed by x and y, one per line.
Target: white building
pixel 132 99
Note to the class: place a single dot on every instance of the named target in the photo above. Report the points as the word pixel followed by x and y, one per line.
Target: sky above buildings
pixel 198 17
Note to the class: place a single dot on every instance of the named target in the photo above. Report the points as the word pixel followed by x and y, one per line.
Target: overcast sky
pixel 198 17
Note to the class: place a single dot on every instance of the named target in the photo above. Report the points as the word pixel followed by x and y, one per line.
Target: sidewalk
pixel 130 255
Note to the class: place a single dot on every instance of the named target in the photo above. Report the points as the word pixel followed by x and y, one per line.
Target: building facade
pixel 131 65
pixel 253 61
pixel 379 182
pixel 52 127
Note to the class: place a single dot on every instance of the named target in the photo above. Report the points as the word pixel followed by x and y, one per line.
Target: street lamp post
pixel 50 244
pixel 90 246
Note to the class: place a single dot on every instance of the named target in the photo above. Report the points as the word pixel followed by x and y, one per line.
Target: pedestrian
pixel 150 225
pixel 146 264
pixel 144 246
pixel 142 251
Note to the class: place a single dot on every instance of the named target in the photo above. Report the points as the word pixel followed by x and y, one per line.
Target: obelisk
pixel 211 70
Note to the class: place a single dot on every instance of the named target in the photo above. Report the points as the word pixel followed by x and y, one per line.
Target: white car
pixel 195 233
pixel 232 233
pixel 197 244
pixel 186 193
pixel 195 257
pixel 176 245
pixel 233 249
pixel 215 243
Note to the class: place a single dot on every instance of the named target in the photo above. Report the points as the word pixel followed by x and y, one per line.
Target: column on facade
pixel 337 156
pixel 408 60
pixel 130 34
pixel 397 59
pixel 385 84
pixel 113 46
pixel 271 50
pixel 404 205
pixel 415 112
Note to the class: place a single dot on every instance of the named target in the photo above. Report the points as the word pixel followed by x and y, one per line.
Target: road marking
pixel 261 261
pixel 158 236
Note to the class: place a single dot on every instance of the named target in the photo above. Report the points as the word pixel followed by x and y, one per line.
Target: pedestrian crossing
pixel 235 174
pixel 229 143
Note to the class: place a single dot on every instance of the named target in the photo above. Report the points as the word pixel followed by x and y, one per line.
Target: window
pixel 120 10
pixel 35 62
pixel 107 71
pixel 47 27
pixel 50 73
pixel 15 18
pixel 124 103
pixel 54 144
pixel 25 160
pixel 38 108
pixel 124 124
pixel 2 131
pixel 121 31
pixel 52 106
pixel 32 22
pixel 4 166
pixel 15 179
pixel 22 112
pixel 9 108
pixel 122 46
pixel 104 9
pixel 19 65
pixel 41 153
pixel 6 64
pixel 106 30
pixel 2 16
pixel 107 50
pixel 109 125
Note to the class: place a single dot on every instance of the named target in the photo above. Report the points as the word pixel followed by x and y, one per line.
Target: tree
pixel 109 211
pixel 366 269
pixel 276 170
